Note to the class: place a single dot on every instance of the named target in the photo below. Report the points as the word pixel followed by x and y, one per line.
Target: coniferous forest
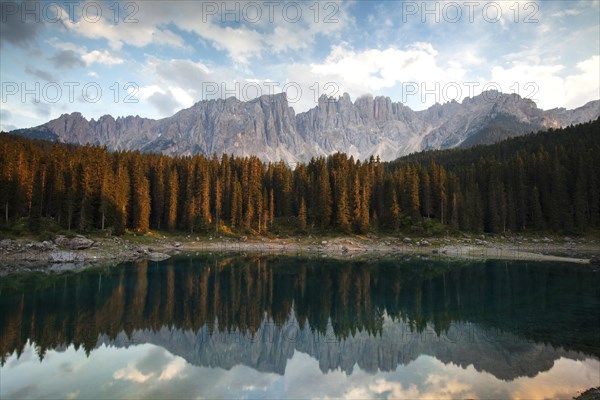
pixel 544 181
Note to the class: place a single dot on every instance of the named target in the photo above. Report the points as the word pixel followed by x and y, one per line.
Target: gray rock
pixel 407 240
pixel 595 260
pixel 65 257
pixel 81 243
pixel 76 243
pixel 158 256
pixel 344 249
pixel 176 244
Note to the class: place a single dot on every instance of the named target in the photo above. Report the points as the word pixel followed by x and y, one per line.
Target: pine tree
pixel 342 211
pixel 171 199
pixel 236 203
pixel 140 196
pixel 302 215
pixel 357 206
pixel 35 214
pixel 395 213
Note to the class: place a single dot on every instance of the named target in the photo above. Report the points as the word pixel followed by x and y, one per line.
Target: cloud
pixel 66 59
pixel 165 103
pixel 372 71
pixel 179 72
pixel 41 74
pixel 5 116
pixel 40 108
pixel 101 57
pixel 549 85
pixel 14 28
pixel 565 13
pixel 136 25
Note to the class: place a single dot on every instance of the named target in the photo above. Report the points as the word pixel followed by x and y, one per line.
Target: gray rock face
pixel 269 129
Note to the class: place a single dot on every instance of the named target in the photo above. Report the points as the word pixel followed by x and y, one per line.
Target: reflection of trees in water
pixel 238 293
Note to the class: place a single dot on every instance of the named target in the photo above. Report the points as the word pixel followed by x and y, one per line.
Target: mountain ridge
pixel 269 128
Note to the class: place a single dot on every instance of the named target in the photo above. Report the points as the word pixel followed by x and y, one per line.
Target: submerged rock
pixel 158 256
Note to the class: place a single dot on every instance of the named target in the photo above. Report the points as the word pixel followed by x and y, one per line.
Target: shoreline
pixel 78 252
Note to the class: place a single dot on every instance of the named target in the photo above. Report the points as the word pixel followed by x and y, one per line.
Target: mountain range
pixel 269 128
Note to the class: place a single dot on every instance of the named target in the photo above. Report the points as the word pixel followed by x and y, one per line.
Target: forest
pixel 545 181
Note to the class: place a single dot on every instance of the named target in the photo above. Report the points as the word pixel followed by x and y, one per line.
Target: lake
pixel 268 326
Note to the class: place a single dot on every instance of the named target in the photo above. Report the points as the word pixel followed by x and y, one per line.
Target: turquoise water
pixel 277 327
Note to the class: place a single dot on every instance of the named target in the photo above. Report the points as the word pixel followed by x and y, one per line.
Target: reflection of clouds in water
pixel 173 370
pixel 430 378
pixel 153 362
pixel 66 367
pixel 562 381
pixel 156 365
pixel 145 371
pixel 131 374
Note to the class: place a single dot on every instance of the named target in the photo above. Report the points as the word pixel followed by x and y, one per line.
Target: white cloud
pixel 101 57
pixel 549 86
pixel 104 57
pixel 141 28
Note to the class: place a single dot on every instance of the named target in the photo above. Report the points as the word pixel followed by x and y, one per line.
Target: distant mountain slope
pixel 269 128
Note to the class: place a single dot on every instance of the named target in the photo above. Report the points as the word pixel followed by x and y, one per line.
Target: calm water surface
pixel 269 326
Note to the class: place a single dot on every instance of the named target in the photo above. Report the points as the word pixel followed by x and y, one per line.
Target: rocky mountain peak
pixel 270 129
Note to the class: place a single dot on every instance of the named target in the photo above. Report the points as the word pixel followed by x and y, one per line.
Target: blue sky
pixel 152 58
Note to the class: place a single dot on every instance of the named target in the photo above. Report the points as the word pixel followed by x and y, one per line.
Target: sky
pixel 153 58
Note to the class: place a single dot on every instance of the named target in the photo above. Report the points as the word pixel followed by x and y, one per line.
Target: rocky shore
pixel 68 253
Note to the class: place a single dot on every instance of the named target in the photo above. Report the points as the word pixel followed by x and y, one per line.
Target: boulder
pixel 64 257
pixel 76 243
pixel 81 243
pixel 407 240
pixel 595 260
pixel 154 256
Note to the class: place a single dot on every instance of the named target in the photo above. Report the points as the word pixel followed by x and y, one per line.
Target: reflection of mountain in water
pixel 502 354
pixel 509 319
